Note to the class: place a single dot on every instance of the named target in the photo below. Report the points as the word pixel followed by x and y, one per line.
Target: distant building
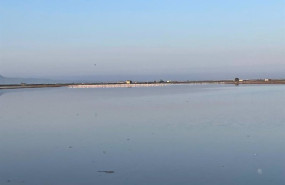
pixel 128 81
pixel 267 80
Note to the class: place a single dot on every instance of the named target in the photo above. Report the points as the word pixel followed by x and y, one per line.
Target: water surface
pixel 186 134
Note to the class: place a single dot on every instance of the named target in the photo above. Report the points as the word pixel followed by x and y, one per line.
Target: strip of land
pixel 20 86
pixel 141 84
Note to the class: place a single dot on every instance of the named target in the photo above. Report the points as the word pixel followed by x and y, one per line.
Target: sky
pixel 160 38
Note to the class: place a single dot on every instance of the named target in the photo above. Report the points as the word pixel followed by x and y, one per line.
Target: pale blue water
pixel 191 134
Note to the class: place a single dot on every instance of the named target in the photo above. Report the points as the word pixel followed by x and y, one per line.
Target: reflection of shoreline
pixel 143 84
pixel 4 92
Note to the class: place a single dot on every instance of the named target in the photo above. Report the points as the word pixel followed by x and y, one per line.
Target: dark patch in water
pixel 106 171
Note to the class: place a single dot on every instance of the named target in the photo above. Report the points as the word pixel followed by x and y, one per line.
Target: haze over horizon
pixel 184 39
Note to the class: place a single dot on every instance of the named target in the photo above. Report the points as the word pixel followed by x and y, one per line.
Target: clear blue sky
pixel 46 38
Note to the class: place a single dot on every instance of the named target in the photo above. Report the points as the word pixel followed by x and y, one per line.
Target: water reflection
pixel 174 135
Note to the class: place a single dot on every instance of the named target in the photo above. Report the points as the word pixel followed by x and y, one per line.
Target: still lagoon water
pixel 184 134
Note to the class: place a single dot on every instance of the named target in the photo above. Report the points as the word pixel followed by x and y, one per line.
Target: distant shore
pixel 140 84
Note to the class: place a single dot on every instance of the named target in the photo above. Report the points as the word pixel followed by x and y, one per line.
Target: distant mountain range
pixel 6 80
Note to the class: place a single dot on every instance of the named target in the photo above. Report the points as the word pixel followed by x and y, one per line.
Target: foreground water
pixel 188 134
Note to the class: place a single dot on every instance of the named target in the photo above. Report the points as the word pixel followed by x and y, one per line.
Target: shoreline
pixel 141 84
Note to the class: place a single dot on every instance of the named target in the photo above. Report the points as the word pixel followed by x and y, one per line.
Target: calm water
pixel 199 134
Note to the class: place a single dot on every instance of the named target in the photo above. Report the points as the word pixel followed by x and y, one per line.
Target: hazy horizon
pixel 165 39
pixel 152 77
